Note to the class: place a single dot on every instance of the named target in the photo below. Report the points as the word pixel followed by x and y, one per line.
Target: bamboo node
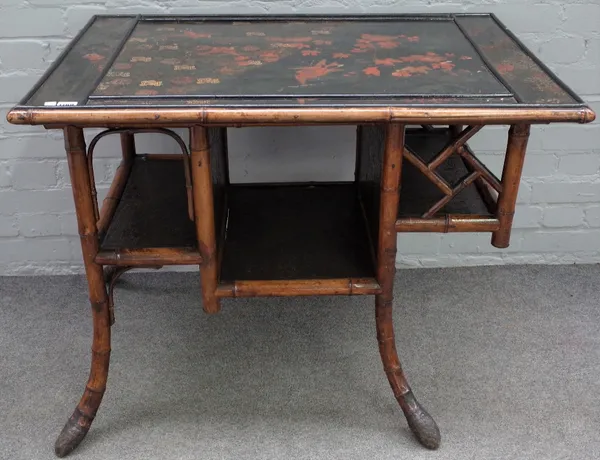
pixel 101 352
pixel 502 212
pixel 385 304
pixel 588 115
pixel 395 370
pixel 93 235
pixel 94 390
pixel 98 306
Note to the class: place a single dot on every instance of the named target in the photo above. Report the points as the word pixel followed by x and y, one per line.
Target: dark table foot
pixel 79 423
pixel 72 434
pixel 420 422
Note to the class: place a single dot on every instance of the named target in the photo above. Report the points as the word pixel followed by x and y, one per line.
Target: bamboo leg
pixel 128 146
pixel 204 215
pixel 518 136
pixel 78 425
pixel 419 421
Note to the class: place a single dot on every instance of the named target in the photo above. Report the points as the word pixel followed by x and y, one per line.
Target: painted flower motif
pixel 113 73
pixel 191 34
pixel 184 67
pixel 226 70
pixel 320 69
pixel 409 71
pixel 401 73
pixel 229 50
pixel 120 82
pixel 289 39
pixel 250 63
pixel 374 71
pixel 298 46
pixel 386 61
pixel 269 56
pixel 151 83
pixel 208 80
pixel 446 66
pixel 505 68
pixel 93 57
pixel 387 45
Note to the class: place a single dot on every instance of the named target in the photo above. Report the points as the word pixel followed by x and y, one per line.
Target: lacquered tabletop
pixel 298 62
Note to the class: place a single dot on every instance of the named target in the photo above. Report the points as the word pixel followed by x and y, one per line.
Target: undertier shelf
pixel 295 232
pixel 278 232
pixel 151 220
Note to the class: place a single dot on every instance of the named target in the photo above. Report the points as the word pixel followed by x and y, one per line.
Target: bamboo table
pixel 449 75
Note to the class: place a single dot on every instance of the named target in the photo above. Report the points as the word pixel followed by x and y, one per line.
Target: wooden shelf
pixel 282 232
pixel 291 233
pixel 151 219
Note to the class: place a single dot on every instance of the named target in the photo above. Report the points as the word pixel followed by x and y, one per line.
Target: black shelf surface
pixel 287 232
pixel 152 212
pixel 418 193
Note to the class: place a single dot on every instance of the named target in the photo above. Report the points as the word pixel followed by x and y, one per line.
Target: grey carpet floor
pixel 507 360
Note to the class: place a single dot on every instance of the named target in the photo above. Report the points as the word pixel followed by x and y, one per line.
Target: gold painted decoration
pixel 208 80
pixel 151 83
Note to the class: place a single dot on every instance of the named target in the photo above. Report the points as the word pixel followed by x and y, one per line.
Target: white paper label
pixel 60 103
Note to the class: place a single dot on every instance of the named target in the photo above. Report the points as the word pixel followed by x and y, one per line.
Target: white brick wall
pixel 558 216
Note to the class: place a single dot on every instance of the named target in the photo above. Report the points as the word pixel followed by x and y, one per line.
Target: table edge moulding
pixel 415 171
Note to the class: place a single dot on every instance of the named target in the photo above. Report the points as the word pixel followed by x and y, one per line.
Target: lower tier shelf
pixel 151 223
pixel 284 233
pixel 295 232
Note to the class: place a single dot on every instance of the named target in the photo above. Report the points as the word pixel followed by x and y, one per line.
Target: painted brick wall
pixel 558 216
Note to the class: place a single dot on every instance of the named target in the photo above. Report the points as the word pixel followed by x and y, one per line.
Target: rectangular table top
pixel 297 63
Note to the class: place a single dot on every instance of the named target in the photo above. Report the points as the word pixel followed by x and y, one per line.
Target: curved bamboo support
pixel 419 421
pixel 113 196
pixel 79 423
pixel 128 147
pixel 111 276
